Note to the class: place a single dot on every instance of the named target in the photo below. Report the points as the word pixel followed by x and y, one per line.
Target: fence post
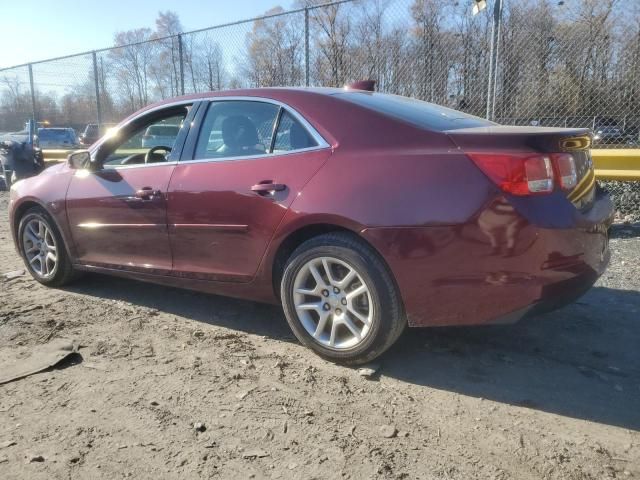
pixel 493 59
pixel 34 113
pixel 97 85
pixel 181 64
pixel 306 46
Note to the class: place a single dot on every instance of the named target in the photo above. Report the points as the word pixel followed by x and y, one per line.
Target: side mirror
pixel 79 160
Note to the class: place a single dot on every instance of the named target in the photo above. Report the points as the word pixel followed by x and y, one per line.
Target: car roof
pixel 282 94
pixel 267 92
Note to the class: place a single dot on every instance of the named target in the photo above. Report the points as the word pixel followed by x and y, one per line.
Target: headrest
pixel 238 131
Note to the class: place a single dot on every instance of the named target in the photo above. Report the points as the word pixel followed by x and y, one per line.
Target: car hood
pixel 58 167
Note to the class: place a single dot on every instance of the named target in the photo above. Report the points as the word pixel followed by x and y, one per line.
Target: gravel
pixel 626 198
pixel 555 397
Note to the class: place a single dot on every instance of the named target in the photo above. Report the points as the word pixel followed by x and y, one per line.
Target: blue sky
pixel 36 30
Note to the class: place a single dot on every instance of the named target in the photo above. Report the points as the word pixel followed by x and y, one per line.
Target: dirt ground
pixel 556 397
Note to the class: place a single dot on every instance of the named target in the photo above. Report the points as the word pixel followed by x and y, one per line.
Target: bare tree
pixel 274 53
pixel 430 82
pixel 207 64
pixel 331 31
pixel 130 64
pixel 168 25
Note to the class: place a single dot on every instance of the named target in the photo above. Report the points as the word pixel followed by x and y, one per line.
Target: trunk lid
pixel 503 138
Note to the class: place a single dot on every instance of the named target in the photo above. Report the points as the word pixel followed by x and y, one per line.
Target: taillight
pixel 517 173
pixel 566 169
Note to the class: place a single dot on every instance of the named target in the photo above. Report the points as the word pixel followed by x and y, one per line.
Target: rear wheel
pixel 340 299
pixel 43 249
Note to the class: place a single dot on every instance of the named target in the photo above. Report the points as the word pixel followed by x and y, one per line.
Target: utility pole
pixel 34 112
pixel 306 46
pixel 493 59
pixel 180 54
pixel 97 85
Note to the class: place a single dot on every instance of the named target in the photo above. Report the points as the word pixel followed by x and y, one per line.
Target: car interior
pixel 131 145
pixel 236 128
pixel 230 129
pixel 246 128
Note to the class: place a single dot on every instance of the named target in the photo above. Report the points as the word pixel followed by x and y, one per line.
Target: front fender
pixel 47 190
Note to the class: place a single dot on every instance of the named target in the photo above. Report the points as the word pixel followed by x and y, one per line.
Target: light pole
pixel 493 66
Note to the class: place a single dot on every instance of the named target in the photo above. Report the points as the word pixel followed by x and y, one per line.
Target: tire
pixel 329 315
pixel 49 273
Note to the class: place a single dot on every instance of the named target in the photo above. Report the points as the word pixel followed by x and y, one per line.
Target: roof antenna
pixel 367 85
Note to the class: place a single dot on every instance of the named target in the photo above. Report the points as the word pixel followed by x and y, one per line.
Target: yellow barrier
pixel 610 164
pixel 617 164
pixel 57 155
pixel 61 155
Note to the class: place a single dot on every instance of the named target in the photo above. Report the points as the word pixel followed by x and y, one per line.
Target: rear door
pixel 234 183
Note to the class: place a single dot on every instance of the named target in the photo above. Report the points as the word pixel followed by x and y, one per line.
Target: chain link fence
pixel 569 63
pixel 626 198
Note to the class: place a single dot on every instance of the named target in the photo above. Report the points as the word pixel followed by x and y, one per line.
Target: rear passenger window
pixel 291 135
pixel 235 128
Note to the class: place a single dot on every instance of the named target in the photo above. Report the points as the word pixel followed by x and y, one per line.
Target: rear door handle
pixel 148 193
pixel 267 187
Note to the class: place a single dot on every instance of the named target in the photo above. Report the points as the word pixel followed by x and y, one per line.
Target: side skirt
pixel 243 290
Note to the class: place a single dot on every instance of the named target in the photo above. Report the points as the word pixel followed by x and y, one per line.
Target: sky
pixel 36 30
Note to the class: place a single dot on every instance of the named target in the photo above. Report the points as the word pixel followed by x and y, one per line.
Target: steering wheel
pixel 149 154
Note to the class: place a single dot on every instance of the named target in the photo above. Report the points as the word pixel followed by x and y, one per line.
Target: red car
pixel 361 212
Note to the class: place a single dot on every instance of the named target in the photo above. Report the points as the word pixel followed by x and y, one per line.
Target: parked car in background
pixel 158 135
pixel 92 132
pixel 607 131
pixel 57 138
pixel 361 213
pixel 632 135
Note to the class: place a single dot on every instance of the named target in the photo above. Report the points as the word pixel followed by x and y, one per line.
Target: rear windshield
pixel 423 114
pixel 164 130
pixel 54 135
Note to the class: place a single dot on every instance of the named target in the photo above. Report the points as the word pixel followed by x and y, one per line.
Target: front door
pixel 118 212
pixel 250 161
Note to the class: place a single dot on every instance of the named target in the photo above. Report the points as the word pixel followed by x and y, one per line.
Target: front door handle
pixel 148 193
pixel 267 187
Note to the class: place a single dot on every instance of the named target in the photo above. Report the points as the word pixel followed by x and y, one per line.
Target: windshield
pixel 422 114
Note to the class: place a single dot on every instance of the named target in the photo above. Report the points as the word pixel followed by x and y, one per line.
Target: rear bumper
pixel 498 267
pixel 552 297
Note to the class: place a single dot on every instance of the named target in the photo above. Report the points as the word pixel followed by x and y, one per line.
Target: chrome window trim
pixel 322 143
pixel 251 157
pixel 320 140
pixel 138 165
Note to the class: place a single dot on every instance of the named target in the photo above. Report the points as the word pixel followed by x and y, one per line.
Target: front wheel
pixel 43 250
pixel 340 300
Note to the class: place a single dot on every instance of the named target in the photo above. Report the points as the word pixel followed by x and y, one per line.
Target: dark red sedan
pixel 361 212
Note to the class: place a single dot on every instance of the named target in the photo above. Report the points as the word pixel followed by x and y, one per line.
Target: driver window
pixel 150 143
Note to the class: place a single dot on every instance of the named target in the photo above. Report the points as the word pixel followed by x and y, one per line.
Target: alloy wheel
pixel 40 247
pixel 333 303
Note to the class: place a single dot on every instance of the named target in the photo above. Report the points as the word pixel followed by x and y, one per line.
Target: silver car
pixel 160 135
